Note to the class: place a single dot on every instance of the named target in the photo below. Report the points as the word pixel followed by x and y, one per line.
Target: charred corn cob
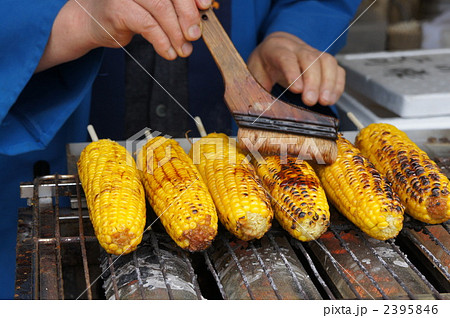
pixel 177 193
pixel 298 199
pixel 422 187
pixel 243 206
pixel 115 195
pixel 361 193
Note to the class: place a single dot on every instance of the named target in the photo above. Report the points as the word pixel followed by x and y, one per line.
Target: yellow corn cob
pixel 242 203
pixel 177 193
pixel 422 187
pixel 361 193
pixel 115 195
pixel 298 198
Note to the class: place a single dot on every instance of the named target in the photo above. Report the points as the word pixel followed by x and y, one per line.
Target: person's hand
pixel 82 25
pixel 282 57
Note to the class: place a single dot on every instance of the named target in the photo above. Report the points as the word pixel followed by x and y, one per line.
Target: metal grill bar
pixel 35 232
pixel 193 276
pixel 58 240
pixel 446 227
pixel 436 240
pixel 263 266
pixel 431 287
pixel 113 276
pixel 360 264
pixel 315 271
pixel 337 266
pixel 161 264
pixel 82 241
pixel 428 253
pixel 288 266
pixel 138 274
pixel 215 275
pixel 239 266
pixel 67 239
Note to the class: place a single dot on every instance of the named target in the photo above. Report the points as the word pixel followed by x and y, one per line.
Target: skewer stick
pixel 92 133
pixel 200 127
pixel 355 120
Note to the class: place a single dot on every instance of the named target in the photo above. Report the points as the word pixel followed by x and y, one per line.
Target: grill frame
pixel 45 194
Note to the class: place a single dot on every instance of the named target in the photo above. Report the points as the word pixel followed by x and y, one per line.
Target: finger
pixel 140 21
pixel 256 67
pixel 311 74
pixel 189 18
pixel 164 13
pixel 329 69
pixel 286 65
pixel 340 85
pixel 203 4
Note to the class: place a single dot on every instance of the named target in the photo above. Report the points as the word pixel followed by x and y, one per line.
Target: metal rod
pixel 389 269
pixel 239 266
pixel 138 274
pixel 35 229
pixel 67 239
pixel 446 227
pixel 360 264
pixel 83 238
pixel 193 276
pixel 113 276
pixel 436 294
pixel 162 263
pixel 263 266
pixel 428 253
pixel 315 271
pixel 436 240
pixel 58 241
pixel 288 266
pixel 215 275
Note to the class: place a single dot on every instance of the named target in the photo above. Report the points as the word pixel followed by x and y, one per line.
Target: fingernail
pixel 194 31
pixel 326 96
pixel 171 53
pixel 186 48
pixel 311 96
pixel 206 3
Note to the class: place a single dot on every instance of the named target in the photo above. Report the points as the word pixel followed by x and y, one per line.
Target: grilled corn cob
pixel 177 193
pixel 242 204
pixel 361 193
pixel 298 199
pixel 422 187
pixel 115 195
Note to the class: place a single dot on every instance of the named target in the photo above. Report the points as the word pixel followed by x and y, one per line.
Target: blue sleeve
pixel 33 107
pixel 317 22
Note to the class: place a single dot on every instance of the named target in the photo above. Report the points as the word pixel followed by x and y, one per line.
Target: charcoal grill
pixel 58 257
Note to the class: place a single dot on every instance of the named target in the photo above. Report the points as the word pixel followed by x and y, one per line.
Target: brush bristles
pixel 319 150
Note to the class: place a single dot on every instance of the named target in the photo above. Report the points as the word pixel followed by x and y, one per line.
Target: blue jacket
pixel 40 113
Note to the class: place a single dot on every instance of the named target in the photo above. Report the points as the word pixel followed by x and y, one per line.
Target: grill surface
pixel 58 257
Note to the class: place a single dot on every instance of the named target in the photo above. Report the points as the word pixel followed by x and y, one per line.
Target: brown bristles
pixel 318 150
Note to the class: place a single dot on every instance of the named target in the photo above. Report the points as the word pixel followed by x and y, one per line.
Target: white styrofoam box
pixel 368 112
pixel 408 83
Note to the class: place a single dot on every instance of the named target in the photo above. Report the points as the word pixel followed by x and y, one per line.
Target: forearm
pixel 69 38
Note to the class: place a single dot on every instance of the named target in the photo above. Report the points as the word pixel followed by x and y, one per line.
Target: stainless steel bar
pixel 139 278
pixel 428 253
pixel 82 242
pixel 193 276
pixel 215 275
pixel 113 277
pixel 66 239
pixel 357 261
pixel 435 293
pixel 336 265
pixel 315 271
pixel 239 266
pixel 288 266
pixel 162 264
pixel 263 266
pixel 58 241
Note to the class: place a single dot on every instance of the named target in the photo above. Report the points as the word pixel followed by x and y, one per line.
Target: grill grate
pixel 58 258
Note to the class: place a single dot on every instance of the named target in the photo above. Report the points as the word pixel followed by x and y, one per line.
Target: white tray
pixel 410 83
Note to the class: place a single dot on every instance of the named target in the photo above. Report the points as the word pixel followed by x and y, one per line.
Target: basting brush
pixel 266 124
